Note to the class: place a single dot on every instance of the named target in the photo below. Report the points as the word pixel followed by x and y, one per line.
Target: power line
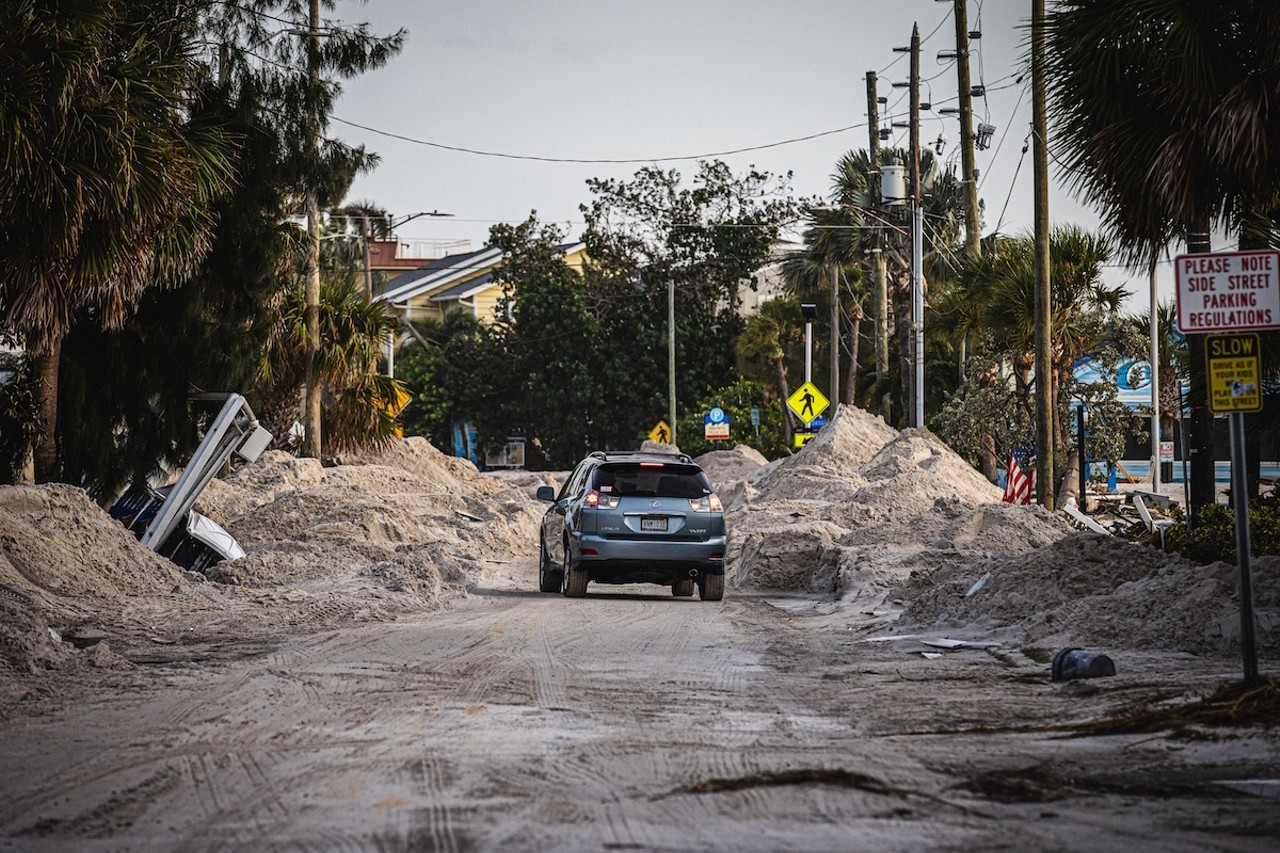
pixel 595 160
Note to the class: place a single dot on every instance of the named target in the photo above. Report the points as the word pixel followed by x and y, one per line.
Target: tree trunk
pixel 855 332
pixel 788 426
pixel 46 359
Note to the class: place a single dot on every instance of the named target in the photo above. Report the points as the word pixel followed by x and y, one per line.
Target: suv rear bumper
pixel 631 558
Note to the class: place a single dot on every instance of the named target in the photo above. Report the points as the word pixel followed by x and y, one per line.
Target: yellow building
pixel 463 281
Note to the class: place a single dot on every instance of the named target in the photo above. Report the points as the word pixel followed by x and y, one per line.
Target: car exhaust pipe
pixel 693 573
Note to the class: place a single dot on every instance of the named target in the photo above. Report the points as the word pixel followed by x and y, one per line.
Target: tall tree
pixel 708 238
pixel 768 335
pixel 995 295
pixel 109 179
pixel 1169 114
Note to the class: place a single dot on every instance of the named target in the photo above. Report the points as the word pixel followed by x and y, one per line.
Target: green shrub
pixel 1214 536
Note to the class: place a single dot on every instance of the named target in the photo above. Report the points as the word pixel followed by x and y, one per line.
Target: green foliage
pixel 1213 537
pixel 449 368
pixel 352 332
pixel 549 385
pixel 737 400
pixel 19 414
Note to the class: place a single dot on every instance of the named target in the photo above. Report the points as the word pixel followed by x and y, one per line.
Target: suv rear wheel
pixel 575 582
pixel 711 587
pixel 682 588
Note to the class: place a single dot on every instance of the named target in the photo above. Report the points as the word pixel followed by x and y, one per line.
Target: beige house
pixel 464 281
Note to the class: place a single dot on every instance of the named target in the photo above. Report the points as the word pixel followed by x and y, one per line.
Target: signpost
pixel 808 403
pixel 1232 292
pixel 715 425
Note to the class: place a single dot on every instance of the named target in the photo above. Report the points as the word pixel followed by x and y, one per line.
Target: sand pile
pixel 1099 591
pixel 63 563
pixel 727 467
pixel 383 535
pixel 898 525
pixel 862 506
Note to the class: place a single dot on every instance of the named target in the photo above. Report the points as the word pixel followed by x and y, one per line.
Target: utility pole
pixel 835 333
pixel 312 442
pixel 878 276
pixel 969 181
pixel 671 356
pixel 1044 304
pixel 917 241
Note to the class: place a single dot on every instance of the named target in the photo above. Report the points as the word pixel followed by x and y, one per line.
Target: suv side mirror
pixel 546 493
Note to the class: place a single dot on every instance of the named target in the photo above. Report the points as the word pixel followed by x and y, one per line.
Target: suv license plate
pixel 654 524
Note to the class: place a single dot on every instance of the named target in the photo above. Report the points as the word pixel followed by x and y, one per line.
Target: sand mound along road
pixel 887 530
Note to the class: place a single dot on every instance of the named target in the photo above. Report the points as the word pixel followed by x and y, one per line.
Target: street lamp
pixel 809 310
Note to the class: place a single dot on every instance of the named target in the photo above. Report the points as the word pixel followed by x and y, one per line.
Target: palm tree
pixel 995 294
pixel 766 338
pixel 360 404
pixel 1168 114
pixel 109 175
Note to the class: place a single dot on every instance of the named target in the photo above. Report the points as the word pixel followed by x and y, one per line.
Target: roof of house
pixel 440 273
pixel 454 276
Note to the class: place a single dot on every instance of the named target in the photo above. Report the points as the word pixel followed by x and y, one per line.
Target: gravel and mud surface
pixel 379 672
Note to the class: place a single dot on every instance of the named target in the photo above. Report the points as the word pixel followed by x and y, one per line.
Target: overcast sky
pixel 651 80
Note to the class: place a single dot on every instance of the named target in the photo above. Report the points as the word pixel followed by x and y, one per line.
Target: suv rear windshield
pixel 661 481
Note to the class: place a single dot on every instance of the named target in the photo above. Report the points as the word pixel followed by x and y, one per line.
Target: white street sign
pixel 1228 291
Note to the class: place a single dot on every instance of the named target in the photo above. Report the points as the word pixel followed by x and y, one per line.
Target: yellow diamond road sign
pixel 661 433
pixel 808 403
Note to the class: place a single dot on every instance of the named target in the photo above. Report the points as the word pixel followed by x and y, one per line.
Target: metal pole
pixel 671 357
pixel 808 349
pixel 1240 497
pixel 1155 385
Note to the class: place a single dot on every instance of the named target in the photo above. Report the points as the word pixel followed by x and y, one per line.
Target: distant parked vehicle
pixel 629 517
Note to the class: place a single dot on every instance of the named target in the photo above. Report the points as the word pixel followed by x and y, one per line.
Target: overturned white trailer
pixel 163 518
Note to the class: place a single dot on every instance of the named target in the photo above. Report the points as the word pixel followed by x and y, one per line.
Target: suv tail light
pixel 706 503
pixel 595 500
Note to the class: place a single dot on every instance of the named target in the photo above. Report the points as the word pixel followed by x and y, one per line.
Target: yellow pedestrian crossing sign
pixel 661 433
pixel 808 403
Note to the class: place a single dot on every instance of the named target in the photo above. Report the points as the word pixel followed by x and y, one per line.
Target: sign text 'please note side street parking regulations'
pixel 1228 291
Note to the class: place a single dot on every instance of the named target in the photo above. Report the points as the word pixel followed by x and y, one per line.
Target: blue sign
pixel 717 416
pixel 755 416
pixel 817 423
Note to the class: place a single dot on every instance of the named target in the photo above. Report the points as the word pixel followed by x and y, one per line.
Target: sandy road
pixel 520 721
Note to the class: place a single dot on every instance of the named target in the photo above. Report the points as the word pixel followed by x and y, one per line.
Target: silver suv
pixel 627 517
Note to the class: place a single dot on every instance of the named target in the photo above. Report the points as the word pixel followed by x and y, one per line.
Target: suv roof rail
pixel 607 455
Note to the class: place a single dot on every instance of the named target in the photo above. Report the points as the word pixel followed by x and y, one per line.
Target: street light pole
pixel 810 311
pixel 671 357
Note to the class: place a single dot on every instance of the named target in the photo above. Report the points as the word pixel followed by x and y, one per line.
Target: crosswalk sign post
pixel 808 403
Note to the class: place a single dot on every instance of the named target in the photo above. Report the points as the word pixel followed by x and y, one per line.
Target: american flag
pixel 1017 488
